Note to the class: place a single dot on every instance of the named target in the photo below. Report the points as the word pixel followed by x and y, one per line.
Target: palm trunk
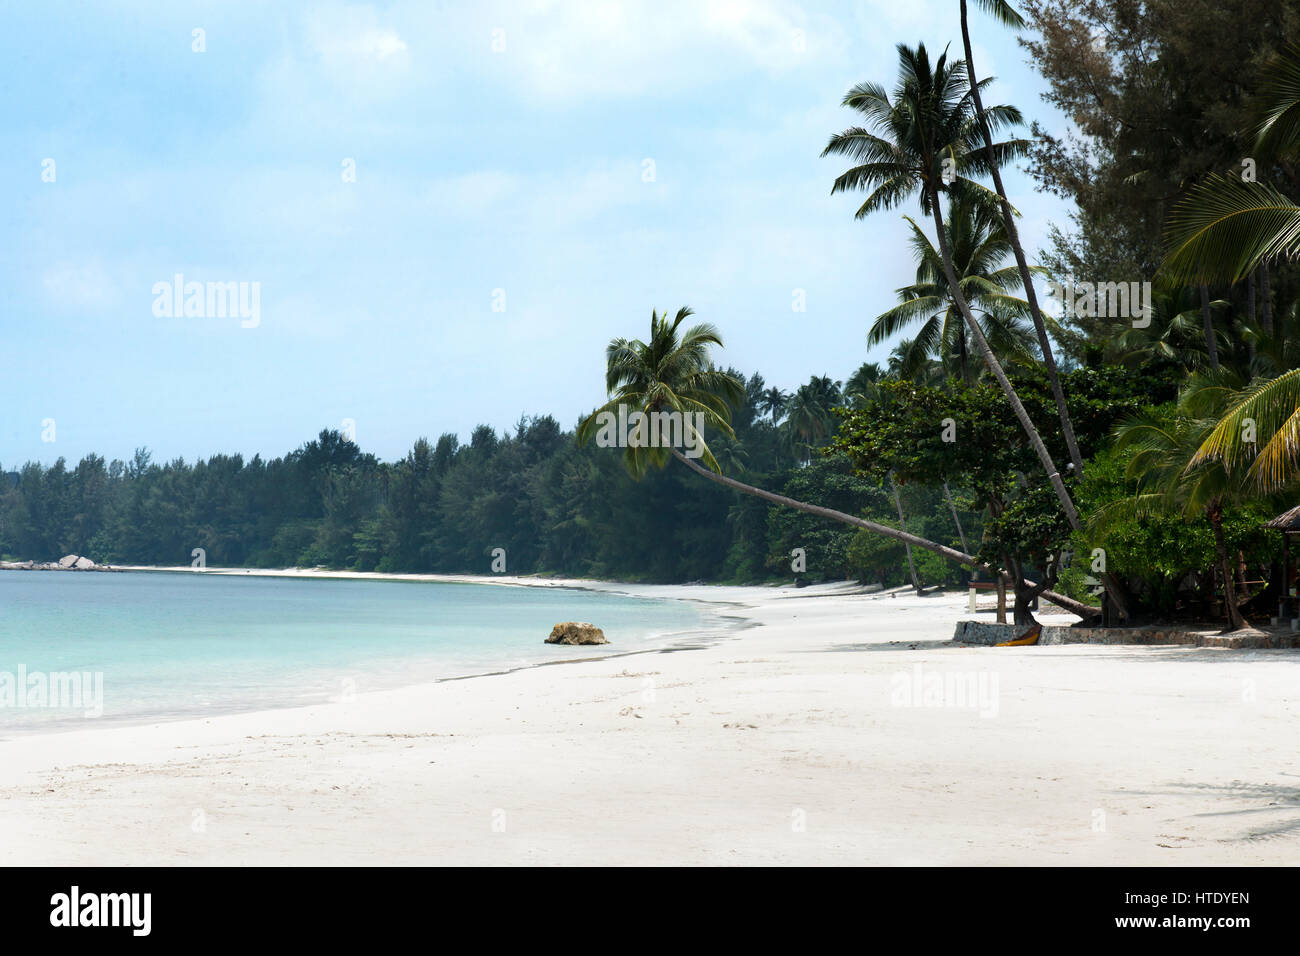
pixel 1250 294
pixel 952 554
pixel 902 523
pixel 1266 300
pixel 1250 309
pixel 962 357
pixel 1211 345
pixel 955 520
pixel 1266 315
pixel 1044 456
pixel 1235 620
pixel 1013 234
pixel 1021 613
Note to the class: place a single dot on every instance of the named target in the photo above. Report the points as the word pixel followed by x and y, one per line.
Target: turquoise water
pixel 180 645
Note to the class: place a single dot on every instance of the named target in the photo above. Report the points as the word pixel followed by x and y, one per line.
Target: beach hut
pixel 1288 522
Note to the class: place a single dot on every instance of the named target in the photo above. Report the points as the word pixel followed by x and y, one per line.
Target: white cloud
pixel 356 50
pixel 566 50
pixel 86 284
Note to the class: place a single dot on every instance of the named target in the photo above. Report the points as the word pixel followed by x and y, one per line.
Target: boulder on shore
pixel 576 632
pixel 68 560
pixel 84 564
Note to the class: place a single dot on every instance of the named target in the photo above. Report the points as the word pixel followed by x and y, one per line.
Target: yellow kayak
pixel 1030 636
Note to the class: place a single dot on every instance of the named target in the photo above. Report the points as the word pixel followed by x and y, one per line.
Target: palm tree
pixel 673 372
pixel 979 242
pixel 811 418
pixel 1222 231
pixel 1003 12
pixel 669 374
pixel 1268 411
pixel 952 506
pixel 1174 334
pixel 902 523
pixel 1170 477
pixel 863 385
pixel 774 402
pixel 910 364
pixel 931 118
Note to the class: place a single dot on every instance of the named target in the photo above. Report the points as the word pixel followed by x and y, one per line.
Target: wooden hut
pixel 1288 522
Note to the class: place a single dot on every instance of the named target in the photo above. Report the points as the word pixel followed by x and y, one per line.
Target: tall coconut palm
pixel 931 118
pixel 1005 14
pixel 979 244
pixel 673 372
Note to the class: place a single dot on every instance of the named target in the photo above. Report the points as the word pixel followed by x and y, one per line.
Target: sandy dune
pixel 831 733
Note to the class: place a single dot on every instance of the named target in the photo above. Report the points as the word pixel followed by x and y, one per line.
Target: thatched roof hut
pixel 1286 521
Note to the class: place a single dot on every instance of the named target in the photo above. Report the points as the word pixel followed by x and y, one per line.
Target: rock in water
pixel 84 564
pixel 67 561
pixel 576 632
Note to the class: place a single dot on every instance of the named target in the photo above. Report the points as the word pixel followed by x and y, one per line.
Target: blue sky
pixel 520 169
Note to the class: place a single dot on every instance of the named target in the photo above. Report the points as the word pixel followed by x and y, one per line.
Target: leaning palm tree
pixel 978 241
pixel 1005 14
pixel 672 372
pixel 669 375
pixel 927 139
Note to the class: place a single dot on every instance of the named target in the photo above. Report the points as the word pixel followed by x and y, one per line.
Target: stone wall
pixel 989 633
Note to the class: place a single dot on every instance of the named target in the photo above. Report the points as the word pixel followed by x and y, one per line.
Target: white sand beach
pixel 797 740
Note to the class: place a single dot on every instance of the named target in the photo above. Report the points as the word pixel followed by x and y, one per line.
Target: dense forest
pixel 1131 447
pixel 552 505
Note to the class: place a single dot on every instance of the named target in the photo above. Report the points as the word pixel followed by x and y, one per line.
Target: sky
pixel 448 209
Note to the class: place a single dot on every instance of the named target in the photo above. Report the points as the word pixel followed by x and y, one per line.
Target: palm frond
pixel 1224 227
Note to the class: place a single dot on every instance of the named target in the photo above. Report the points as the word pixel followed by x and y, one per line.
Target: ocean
pixel 166 645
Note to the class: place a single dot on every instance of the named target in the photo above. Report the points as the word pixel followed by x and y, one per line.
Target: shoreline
pixel 719 621
pixel 507 580
pixel 808 738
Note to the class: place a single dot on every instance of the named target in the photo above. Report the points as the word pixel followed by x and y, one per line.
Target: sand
pixel 832 730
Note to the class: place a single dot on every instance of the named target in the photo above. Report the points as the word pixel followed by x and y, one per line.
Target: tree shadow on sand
pixel 1279 819
pixel 891 646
